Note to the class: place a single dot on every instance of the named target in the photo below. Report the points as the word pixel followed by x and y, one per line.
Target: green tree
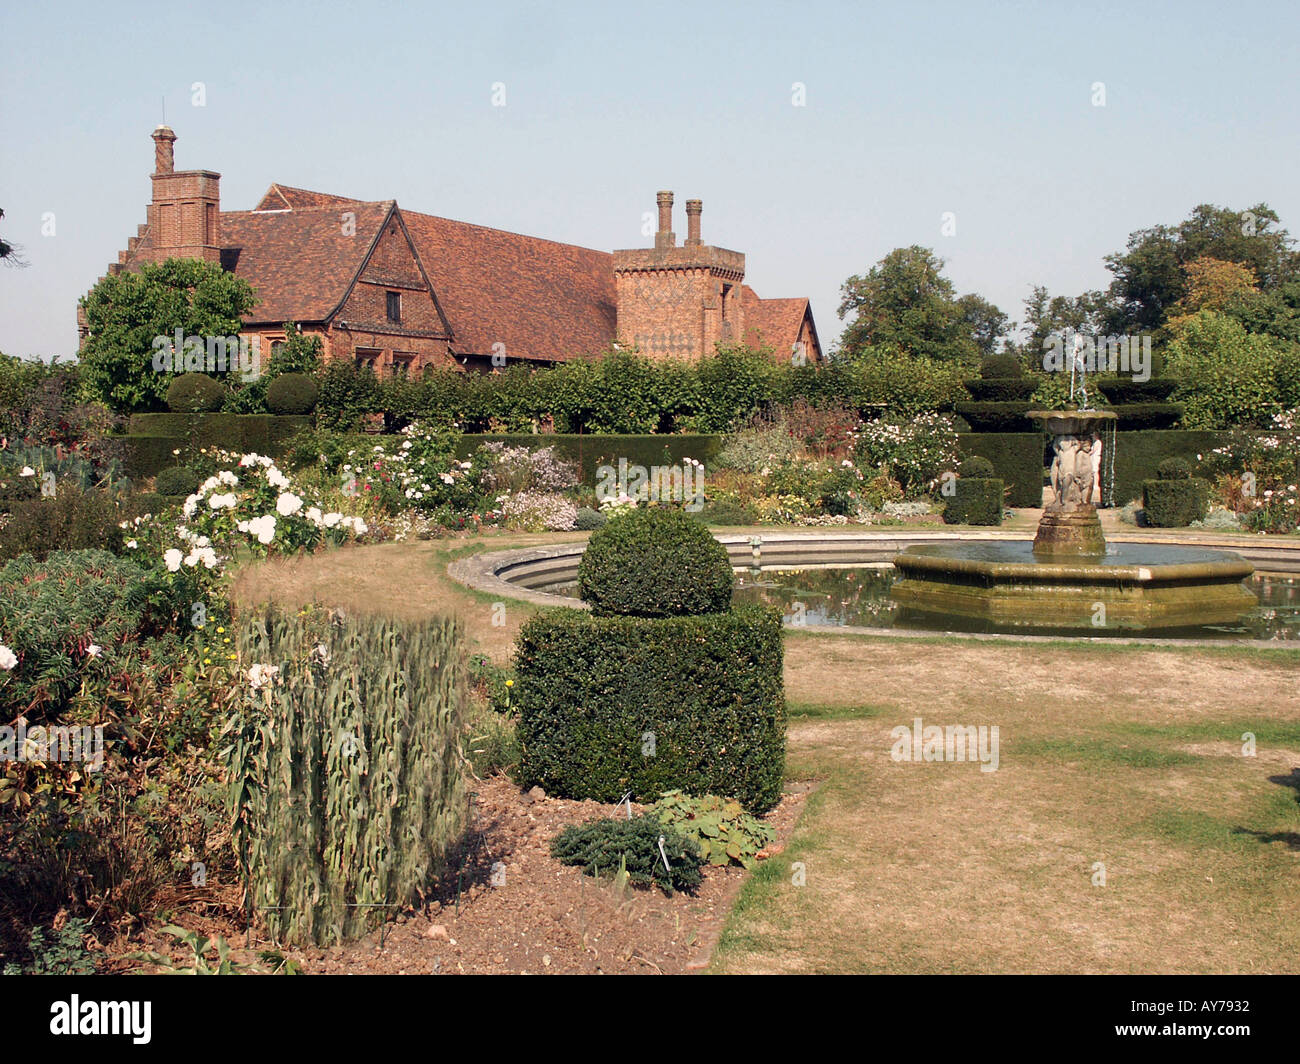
pixel 1228 376
pixel 126 311
pixel 904 300
pixel 983 322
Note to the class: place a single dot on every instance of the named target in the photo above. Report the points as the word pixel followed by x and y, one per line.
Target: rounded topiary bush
pixel 292 393
pixel 588 520
pixel 176 480
pixel 976 467
pixel 1000 366
pixel 1174 469
pixel 194 393
pixel 655 562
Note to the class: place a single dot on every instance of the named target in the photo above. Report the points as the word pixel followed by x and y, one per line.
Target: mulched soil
pixel 545 918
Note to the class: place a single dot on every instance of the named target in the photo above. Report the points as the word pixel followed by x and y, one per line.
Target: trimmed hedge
pixel 1138 455
pixel 193 392
pixel 1139 416
pixel 590 452
pixel 1001 389
pixel 292 393
pixel 1175 503
pixel 1019 459
pixel 609 705
pixel 1122 390
pixel 151 438
pixel 176 480
pixel 977 502
pixel 996 417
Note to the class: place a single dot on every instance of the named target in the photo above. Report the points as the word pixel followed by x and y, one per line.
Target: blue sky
pixel 912 110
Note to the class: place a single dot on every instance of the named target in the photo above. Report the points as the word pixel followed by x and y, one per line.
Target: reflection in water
pixel 860 596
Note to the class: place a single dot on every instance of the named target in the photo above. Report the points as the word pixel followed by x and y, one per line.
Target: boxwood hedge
pixel 1019 459
pixel 609 705
pixel 1175 503
pixel 978 501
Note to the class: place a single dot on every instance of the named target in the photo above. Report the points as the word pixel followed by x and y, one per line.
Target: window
pixel 277 348
pixel 402 363
pixel 367 358
pixel 395 306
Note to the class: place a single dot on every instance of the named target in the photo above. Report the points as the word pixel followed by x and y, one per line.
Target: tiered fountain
pixel 1068 577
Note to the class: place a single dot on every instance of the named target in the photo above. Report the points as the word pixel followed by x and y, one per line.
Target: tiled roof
pixel 301 261
pixel 543 300
pixel 775 322
pixel 286 197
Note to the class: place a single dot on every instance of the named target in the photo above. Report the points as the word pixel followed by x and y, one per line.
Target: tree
pixel 10 253
pixel 1149 277
pixel 1046 314
pixel 127 311
pixel 905 301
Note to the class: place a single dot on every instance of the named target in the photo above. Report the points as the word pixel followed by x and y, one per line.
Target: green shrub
pixel 728 511
pixel 609 705
pixel 1000 366
pixel 976 468
pixel 975 502
pixel 1018 461
pixel 70 520
pixel 720 827
pixel 347 392
pixel 1001 389
pixel 176 480
pixel 1175 503
pixel 614 845
pixel 996 417
pixel 52 611
pixel 655 562
pixel 588 520
pixel 345 768
pixel 193 393
pixel 292 393
pixel 1174 469
pixel 62 953
pixel 1121 391
pixel 1138 454
pixel 1139 416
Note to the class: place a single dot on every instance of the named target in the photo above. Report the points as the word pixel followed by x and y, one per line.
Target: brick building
pixel 399 290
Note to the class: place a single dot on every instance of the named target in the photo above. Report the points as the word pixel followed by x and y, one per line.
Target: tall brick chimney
pixel 665 238
pixel 185 214
pixel 693 208
pixel 163 153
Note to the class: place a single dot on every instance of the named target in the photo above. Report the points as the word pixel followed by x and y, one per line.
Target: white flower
pixel 262 527
pixel 331 520
pixel 277 479
pixel 131 544
pixel 314 515
pixel 288 504
pixel 228 478
pixel 247 460
pixel 446 478
pixel 260 675
pixel 359 526
pixel 94 650
pixel 175 452
pixel 173 559
pixel 28 471
pixel 191 504
pixel 8 659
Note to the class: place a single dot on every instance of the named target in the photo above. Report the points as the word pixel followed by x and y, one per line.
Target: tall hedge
pixel 610 705
pixel 1018 459
pixel 345 770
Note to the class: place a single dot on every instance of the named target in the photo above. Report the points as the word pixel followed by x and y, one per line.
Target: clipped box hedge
pixel 1175 503
pixel 151 438
pixel 996 417
pixel 609 705
pixel 1138 454
pixel 1018 457
pixel 977 501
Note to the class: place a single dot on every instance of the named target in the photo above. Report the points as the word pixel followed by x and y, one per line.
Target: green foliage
pixel 126 311
pixel 71 520
pixel 996 417
pixel 153 437
pixel 632 847
pixel 176 480
pixel 1174 469
pixel 60 952
pixel 655 562
pixel 52 611
pixel 977 501
pixel 1002 389
pixel 1139 416
pixel 913 452
pixel 758 446
pixel 904 385
pixel 976 468
pixel 345 773
pixel 292 393
pixel 1124 390
pixel 1227 376
pixel 347 393
pixel 588 520
pixel 194 393
pixel 609 705
pixel 1138 455
pixel 1175 503
pixel 1018 461
pixel 721 828
pixel 1000 366
pixel 301 353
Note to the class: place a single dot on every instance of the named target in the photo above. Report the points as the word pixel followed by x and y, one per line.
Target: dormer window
pixel 395 307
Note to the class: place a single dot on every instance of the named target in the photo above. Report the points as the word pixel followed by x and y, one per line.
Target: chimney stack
pixel 693 208
pixel 163 152
pixel 665 238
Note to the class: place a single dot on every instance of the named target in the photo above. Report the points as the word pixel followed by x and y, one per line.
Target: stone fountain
pixel 1069 578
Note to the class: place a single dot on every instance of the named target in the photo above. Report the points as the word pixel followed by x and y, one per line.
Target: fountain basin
pixel 1132 586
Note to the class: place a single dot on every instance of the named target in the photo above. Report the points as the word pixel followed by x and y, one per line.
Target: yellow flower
pixel 226 640
pixel 220 631
pixel 510 683
pixel 207 661
pixel 232 657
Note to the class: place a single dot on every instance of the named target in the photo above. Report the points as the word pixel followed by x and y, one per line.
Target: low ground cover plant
pixel 644 848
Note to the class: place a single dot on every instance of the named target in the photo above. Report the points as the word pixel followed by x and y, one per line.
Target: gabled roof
pixel 775 322
pixel 301 262
pixel 285 197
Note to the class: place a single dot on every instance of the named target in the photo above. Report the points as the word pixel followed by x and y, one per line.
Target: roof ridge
pixel 508 232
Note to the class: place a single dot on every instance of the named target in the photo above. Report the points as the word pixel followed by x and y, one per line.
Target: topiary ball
pixel 176 480
pixel 1174 469
pixel 292 393
pixel 655 562
pixel 1000 366
pixel 976 468
pixel 588 520
pixel 194 393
